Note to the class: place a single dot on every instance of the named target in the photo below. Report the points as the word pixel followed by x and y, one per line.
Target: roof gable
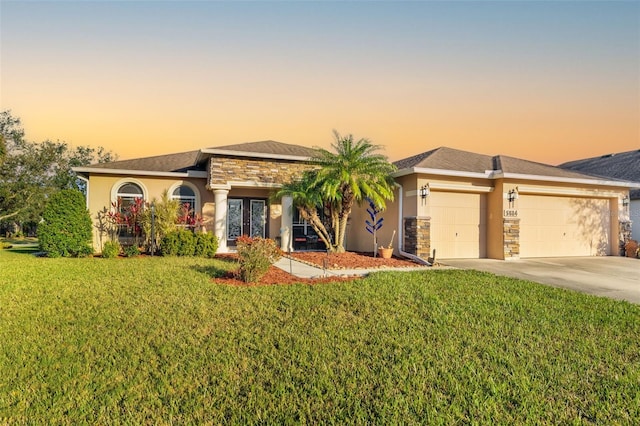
pixel 268 147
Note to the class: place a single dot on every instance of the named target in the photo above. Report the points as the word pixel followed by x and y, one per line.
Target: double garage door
pixel 550 226
pixel 564 226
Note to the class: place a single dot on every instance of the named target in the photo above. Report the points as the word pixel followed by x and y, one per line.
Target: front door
pixel 246 216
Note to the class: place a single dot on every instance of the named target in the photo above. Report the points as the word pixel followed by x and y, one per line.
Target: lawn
pixel 154 340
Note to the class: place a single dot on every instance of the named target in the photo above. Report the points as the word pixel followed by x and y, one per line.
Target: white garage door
pixel 458 224
pixel 563 226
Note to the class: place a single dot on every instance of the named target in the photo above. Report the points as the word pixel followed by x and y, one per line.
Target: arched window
pixel 185 195
pixel 128 193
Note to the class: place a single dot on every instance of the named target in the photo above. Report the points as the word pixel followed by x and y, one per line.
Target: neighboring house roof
pixel 449 161
pixel 623 165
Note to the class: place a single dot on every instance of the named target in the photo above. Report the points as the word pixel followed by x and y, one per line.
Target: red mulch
pixel 334 261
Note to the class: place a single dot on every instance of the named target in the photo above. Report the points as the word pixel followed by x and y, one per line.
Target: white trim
pixel 488 174
pixel 437 186
pixel 499 174
pixel 598 182
pixel 190 173
pixel 253 154
pixel 116 186
pixel 545 190
pixel 253 184
pixel 197 207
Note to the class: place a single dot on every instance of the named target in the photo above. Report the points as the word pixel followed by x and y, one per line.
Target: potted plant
pixel 387 252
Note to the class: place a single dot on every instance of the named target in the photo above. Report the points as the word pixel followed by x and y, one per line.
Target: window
pixel 127 194
pixel 185 195
pixel 187 198
pixel 129 200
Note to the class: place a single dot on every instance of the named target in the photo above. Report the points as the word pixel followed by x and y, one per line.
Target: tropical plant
pixel 351 174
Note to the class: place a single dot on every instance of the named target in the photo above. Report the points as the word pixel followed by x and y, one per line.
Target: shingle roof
pixel 191 160
pixel 180 162
pixel 623 165
pixel 445 158
pixel 448 159
pixel 269 147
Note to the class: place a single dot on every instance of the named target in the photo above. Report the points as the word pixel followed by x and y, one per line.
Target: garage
pixel 556 226
pixel 458 224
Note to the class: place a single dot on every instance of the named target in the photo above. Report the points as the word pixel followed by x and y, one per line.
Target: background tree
pixel 351 174
pixel 30 172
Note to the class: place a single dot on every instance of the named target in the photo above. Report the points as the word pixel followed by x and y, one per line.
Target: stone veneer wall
pixel 625 235
pixel 511 238
pixel 417 236
pixel 224 169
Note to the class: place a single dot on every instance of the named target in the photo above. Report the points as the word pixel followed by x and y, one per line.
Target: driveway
pixel 611 276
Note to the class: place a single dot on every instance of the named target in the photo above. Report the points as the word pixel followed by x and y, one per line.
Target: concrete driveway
pixel 612 276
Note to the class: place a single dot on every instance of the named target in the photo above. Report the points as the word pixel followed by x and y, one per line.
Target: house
pixel 229 186
pixel 623 165
pixel 467 205
pixel 462 204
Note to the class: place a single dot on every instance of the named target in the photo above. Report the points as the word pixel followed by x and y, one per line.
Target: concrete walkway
pixel 610 276
pixel 303 270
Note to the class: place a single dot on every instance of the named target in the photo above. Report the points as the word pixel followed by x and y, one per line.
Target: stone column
pixel 511 238
pixel 286 225
pixel 624 227
pixel 220 218
pixel 417 236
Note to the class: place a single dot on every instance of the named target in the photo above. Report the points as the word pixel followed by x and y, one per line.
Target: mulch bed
pixel 333 261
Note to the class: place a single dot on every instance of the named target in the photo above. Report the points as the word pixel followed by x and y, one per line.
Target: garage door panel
pixel 458 224
pixel 563 226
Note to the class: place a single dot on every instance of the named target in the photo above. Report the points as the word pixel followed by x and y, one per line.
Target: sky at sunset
pixel 545 81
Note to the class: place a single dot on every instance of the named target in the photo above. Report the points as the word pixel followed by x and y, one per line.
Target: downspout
pixel 401 232
pixel 86 196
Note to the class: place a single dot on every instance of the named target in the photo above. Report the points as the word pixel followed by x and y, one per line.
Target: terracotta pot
pixel 385 253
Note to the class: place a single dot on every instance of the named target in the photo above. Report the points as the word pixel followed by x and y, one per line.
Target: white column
pixel 286 227
pixel 220 218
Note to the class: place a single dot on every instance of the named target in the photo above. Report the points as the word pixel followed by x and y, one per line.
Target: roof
pixel 451 160
pixel 194 161
pixel 267 147
pixel 623 165
pixel 180 162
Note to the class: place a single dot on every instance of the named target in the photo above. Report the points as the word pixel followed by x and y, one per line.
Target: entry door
pixel 246 216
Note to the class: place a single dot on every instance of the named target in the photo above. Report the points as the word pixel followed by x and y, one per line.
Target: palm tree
pixel 353 173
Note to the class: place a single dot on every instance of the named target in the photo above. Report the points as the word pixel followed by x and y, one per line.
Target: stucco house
pixel 462 204
pixel 622 165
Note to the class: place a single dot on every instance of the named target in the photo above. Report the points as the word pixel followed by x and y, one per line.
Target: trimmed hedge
pixel 66 225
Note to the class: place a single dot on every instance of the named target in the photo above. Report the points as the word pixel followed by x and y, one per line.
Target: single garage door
pixel 563 226
pixel 458 224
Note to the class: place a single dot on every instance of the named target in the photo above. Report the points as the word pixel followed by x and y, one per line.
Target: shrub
pixel 187 243
pixel 255 255
pixel 178 243
pixel 206 245
pixel 132 251
pixel 111 249
pixel 66 225
pixel 170 244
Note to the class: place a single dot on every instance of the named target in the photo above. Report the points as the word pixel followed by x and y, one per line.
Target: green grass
pixel 154 341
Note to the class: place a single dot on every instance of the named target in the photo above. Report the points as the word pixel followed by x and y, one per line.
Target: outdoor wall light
pixel 625 201
pixel 424 191
pixel 512 195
